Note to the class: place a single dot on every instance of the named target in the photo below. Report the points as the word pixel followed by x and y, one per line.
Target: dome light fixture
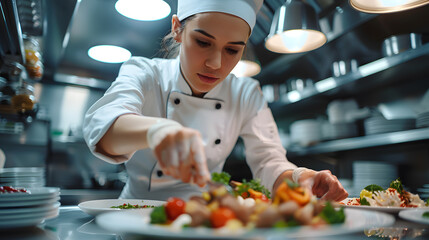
pixel 295 28
pixel 386 6
pixel 109 53
pixel 249 65
pixel 143 10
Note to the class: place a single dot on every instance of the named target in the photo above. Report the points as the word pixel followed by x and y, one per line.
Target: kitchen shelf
pixel 360 142
pixel 368 72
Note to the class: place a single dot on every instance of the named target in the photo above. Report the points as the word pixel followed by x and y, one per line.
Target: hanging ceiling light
pixel 295 28
pixel 109 53
pixel 249 65
pixel 386 6
pixel 143 10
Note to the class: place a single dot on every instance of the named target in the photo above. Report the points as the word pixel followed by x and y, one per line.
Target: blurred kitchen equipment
pixel 398 109
pixel 345 111
pixel 306 132
pixel 331 131
pixel 33 58
pixel 343 67
pixel 299 84
pixel 399 43
pixel 2 158
pixel 270 92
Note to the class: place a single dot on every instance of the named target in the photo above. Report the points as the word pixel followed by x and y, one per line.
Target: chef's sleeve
pixel 265 154
pixel 126 95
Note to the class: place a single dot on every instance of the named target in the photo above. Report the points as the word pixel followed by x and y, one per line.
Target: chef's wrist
pixel 297 173
pixel 159 130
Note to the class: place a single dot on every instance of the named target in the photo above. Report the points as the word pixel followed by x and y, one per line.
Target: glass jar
pixel 33 58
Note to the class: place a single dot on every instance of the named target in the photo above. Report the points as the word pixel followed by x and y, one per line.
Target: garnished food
pixel 394 196
pixel 132 206
pixel 222 177
pixel 425 214
pixel 9 189
pixel 218 208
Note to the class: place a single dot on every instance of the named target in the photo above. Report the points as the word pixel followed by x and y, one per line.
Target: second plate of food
pixel 96 207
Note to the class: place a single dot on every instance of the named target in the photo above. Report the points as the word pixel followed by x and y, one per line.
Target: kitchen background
pixel 358 105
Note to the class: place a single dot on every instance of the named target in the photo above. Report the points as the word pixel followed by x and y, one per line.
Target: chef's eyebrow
pixel 211 36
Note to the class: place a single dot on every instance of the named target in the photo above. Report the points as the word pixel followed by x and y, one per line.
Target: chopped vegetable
pixel 373 188
pixel 255 184
pixel 174 208
pixel 158 215
pixel 289 190
pixel 222 177
pixel 397 184
pixel 332 216
pixel 221 216
pixel 426 214
pixel 291 184
pixel 131 206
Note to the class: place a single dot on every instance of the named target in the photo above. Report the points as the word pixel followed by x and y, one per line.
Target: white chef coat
pixel 156 88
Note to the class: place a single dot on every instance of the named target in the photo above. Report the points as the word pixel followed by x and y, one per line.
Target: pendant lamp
pixel 295 28
pixel 249 65
pixel 386 6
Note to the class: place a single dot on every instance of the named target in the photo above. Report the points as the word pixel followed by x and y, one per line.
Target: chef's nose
pixel 215 60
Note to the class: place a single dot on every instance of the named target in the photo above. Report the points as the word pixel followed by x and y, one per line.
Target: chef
pixel 175 121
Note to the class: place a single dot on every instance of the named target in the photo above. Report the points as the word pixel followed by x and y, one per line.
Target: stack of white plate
pixel 422 120
pixel 370 172
pixel 24 209
pixel 375 125
pixel 23 177
pixel 305 132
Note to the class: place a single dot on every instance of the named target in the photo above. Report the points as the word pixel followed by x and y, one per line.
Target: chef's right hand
pixel 179 151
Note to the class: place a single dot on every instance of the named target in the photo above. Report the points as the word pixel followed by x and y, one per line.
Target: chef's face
pixel 211 45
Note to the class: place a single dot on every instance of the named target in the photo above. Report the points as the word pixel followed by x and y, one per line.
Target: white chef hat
pixel 244 9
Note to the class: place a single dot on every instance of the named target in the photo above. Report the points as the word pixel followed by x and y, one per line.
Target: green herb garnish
pixel 363 201
pixel 131 206
pixel 426 214
pixel 332 216
pixel 222 177
pixel 373 188
pixel 254 184
pixel 158 215
pixel 397 184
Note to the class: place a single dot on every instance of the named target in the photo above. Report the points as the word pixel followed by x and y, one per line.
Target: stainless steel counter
pixel 73 224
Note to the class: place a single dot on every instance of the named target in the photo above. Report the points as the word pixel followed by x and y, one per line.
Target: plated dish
pixel 138 222
pixel 387 209
pixel 415 215
pixel 96 207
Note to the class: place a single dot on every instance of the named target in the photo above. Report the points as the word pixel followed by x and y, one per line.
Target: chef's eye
pixel 202 43
pixel 232 51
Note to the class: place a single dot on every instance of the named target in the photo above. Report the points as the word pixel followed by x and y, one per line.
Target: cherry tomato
pixel 174 208
pixel 221 216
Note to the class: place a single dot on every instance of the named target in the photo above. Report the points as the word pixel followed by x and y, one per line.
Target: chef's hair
pixel 169 47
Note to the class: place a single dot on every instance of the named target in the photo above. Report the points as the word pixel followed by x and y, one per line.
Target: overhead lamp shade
pixel 249 65
pixel 386 6
pixel 295 28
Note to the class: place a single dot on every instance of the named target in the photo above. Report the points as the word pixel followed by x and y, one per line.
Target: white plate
pixel 138 222
pixel 46 214
pixel 25 210
pixel 415 215
pixel 379 208
pixel 28 203
pixel 27 221
pixel 96 207
pixel 34 193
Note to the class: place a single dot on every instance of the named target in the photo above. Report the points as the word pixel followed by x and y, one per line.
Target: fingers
pixel 327 187
pixel 181 155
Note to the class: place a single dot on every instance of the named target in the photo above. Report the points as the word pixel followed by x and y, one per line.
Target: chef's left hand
pixel 323 184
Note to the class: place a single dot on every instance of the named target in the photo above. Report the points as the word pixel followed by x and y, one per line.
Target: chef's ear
pixel 176 28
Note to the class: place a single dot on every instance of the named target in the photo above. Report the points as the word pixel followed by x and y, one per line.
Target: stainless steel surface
pixel 11 43
pixel 74 224
pixel 362 142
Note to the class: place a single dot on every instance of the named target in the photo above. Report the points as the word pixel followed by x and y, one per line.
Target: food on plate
pixel 9 189
pixel 394 196
pixel 132 206
pixel 218 208
pixel 425 214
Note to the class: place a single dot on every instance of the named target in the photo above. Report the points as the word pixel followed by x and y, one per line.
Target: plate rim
pixel 97 210
pixel 403 214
